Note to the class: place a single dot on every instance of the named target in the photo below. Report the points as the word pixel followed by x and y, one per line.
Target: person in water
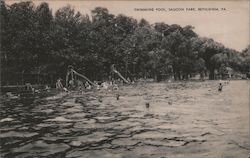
pixel 59 85
pixel 220 87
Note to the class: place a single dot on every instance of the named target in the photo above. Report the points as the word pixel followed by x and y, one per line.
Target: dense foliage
pixel 35 40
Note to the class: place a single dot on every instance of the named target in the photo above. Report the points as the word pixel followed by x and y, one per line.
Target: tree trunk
pixel 155 77
pixel 211 74
pixel 177 75
pixel 202 75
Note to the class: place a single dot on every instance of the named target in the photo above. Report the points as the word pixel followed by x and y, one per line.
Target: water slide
pixel 78 74
pixel 71 72
pixel 93 84
pixel 113 69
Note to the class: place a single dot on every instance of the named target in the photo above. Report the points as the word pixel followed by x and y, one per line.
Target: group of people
pixel 30 88
pixel 108 85
pixel 80 86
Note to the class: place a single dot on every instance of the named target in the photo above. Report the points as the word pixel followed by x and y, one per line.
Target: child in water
pixel 220 87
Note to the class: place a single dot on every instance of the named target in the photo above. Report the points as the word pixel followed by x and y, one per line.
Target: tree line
pixel 33 39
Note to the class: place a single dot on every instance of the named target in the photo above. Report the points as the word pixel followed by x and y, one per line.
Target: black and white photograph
pixel 125 79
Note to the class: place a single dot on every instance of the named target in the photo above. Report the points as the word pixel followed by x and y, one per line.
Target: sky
pixel 229 25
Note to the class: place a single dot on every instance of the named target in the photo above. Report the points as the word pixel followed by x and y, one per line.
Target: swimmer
pixel 220 87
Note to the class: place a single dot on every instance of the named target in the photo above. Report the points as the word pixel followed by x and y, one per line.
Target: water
pixel 198 122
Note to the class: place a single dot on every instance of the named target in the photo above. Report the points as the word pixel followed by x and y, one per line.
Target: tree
pixel 35 40
pixel 22 19
pixel 246 61
pixel 177 41
pixel 207 48
pixel 43 39
pixel 65 30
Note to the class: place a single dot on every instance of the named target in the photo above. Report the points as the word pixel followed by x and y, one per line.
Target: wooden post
pixel 67 79
pixel 22 78
pixel 51 79
pixel 38 78
pixel 72 74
